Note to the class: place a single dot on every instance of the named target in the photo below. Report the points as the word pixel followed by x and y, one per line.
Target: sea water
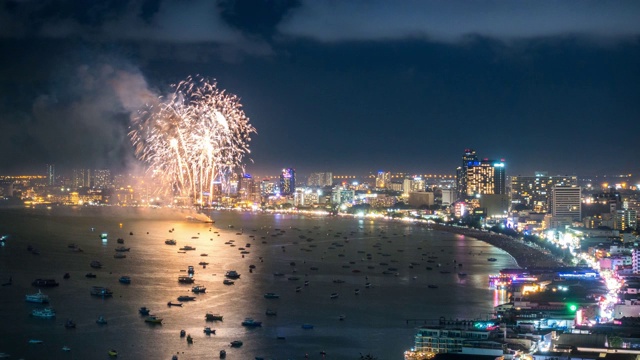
pixel 380 320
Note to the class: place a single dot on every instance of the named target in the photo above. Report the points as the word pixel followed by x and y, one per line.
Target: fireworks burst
pixel 192 140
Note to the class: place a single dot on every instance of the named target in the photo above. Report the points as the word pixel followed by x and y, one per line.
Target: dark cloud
pixel 454 20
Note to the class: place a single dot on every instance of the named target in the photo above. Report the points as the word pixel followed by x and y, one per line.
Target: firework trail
pixel 193 139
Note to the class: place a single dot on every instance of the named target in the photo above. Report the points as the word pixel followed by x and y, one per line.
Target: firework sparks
pixel 192 140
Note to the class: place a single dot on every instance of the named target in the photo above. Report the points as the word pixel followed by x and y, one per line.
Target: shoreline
pixel 525 256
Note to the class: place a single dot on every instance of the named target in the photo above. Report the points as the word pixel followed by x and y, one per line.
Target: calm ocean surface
pixel 375 319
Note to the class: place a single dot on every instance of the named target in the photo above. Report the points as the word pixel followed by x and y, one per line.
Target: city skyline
pixel 396 88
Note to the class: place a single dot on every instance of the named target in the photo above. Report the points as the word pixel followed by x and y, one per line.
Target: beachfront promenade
pixel 525 255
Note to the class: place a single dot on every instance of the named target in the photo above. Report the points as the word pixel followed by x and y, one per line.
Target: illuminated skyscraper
pixel 480 177
pixel 534 191
pixel 320 179
pixel 565 202
pixel 51 174
pixel 81 178
pixel 383 179
pixel 287 181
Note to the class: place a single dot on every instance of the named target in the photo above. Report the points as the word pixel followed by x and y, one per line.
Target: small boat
pixel 66 348
pixel 334 296
pixel 431 286
pixel 189 339
pixel 186 279
pixel 298 289
pixel 125 279
pixel 38 297
pixel 198 289
pixel 101 320
pixel 270 312
pixel 190 270
pixel 112 353
pixel 203 254
pixel 207 330
pixel 144 311
pixel 236 343
pixel 66 276
pixel 342 317
pixel 173 304
pixel 95 264
pixel 213 317
pixel 122 249
pixel 130 232
pixel 357 291
pixel 462 274
pixel 278 274
pixel 280 337
pixel 120 241
pixel 249 322
pixel 338 281
pixel 271 296
pixel 492 259
pixel 293 278
pixel 170 242
pixel 45 282
pixel 183 333
pixel 187 248
pixel 90 275
pixel 223 354
pixel 34 341
pixel 232 274
pixel 203 263
pixel 101 291
pixel 307 326
pixel 69 324
pixel 44 313
pixel 186 298
pixel 153 320
pixel 228 282
pixel 119 256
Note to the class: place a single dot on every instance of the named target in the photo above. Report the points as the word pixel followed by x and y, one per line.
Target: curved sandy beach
pixel 524 255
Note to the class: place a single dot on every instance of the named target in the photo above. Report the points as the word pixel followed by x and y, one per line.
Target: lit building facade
pixel 480 177
pixel 534 191
pixel 287 181
pixel 51 174
pixel 320 179
pixel 81 178
pixel 565 202
pixel 383 180
pixel 101 179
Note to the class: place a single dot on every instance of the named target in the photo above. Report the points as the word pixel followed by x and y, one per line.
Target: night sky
pixel 344 86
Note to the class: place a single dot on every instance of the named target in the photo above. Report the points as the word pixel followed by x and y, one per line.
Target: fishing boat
pixel 120 241
pixel 35 341
pixel 187 248
pixel 213 317
pixel 249 322
pixel 46 313
pixel 228 282
pixel 45 282
pixel 232 274
pixel 170 242
pixel 207 330
pixel 119 256
pixel 492 259
pixel 271 295
pixel 236 343
pixel 144 311
pixel 270 312
pixel 173 304
pixel 95 264
pixel 186 298
pixel 101 320
pixel 66 348
pixel 66 276
pixel 101 291
pixel 69 324
pixel 223 354
pixel 198 289
pixel 186 280
pixel 153 320
pixel 122 249
pixel 124 279
pixel 431 286
pixel 189 339
pixel 334 296
pixel 90 275
pixel 112 353
pixel 38 297
pixel 182 333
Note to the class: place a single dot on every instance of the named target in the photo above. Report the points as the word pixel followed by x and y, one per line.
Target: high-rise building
pixel 383 179
pixel 320 179
pixel 534 191
pixel 480 177
pixel 287 181
pixel 81 178
pixel 51 174
pixel 625 219
pixel 101 179
pixel 565 202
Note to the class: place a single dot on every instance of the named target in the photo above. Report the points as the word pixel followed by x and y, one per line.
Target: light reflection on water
pixel 375 319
